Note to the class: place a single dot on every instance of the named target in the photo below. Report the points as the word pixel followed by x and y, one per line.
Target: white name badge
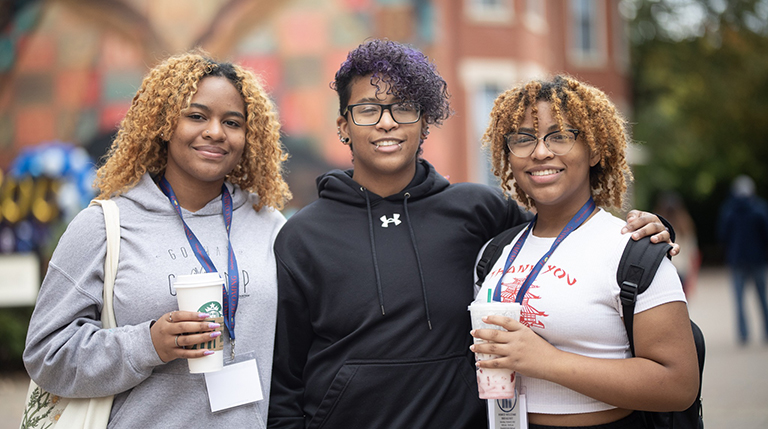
pixel 234 385
pixel 508 413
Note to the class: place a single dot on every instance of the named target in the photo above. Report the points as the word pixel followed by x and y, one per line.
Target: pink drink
pixel 493 383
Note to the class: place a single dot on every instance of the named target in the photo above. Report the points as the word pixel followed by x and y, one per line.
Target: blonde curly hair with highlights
pixel 586 108
pixel 141 144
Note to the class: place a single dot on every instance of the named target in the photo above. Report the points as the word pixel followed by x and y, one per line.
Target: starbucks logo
pixel 212 308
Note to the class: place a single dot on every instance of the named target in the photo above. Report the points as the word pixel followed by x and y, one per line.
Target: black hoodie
pixel 372 321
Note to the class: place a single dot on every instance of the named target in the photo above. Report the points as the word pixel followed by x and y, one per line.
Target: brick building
pixel 68 69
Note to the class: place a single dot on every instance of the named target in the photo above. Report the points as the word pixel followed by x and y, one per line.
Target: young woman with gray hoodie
pixel 206 136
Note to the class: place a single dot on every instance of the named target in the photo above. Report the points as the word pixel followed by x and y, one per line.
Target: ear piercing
pixel 344 140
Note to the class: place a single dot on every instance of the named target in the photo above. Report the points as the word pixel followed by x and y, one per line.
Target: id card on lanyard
pixel 508 413
pixel 232 287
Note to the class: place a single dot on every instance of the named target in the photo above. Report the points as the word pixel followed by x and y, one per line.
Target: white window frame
pixel 621 41
pixel 476 75
pixel 535 17
pixel 489 11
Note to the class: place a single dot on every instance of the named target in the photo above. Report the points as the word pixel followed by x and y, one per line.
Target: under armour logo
pixel 394 219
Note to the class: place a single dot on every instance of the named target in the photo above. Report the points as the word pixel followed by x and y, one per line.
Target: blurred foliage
pixel 13 333
pixel 700 76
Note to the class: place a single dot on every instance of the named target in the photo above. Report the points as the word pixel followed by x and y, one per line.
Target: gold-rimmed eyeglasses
pixel 559 142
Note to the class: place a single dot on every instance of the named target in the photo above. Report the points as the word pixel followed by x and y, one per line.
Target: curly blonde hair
pixel 584 107
pixel 141 144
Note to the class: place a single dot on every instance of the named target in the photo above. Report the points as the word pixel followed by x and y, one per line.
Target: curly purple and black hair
pixel 398 69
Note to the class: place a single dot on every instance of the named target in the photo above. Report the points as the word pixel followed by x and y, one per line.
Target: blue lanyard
pixel 231 293
pixel 574 223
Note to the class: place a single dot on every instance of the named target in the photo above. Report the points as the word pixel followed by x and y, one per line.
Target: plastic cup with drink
pixel 493 383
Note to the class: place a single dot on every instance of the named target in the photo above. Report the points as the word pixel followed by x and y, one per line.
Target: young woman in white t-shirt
pixel 560 145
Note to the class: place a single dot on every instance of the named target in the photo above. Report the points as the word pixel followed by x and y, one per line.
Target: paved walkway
pixel 735 388
pixel 735 391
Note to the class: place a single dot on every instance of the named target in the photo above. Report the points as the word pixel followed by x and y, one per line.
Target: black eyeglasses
pixel 558 142
pixel 366 114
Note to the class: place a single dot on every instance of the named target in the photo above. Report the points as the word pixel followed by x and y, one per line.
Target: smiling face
pixel 385 154
pixel 209 138
pixel 559 182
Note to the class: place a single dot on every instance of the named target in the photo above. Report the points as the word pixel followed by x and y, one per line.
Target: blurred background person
pixel 743 230
pixel 671 206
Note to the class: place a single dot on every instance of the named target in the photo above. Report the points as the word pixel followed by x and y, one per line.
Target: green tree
pixel 700 72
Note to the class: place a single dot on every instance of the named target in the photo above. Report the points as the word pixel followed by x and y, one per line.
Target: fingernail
pixel 203 315
pixel 213 325
pixel 215 334
pixel 472 332
pixel 208 353
pixel 472 347
pixel 624 230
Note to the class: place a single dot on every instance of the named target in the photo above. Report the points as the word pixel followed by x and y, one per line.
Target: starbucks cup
pixel 203 293
pixel 493 383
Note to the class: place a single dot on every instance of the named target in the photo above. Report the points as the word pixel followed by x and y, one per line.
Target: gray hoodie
pixel 68 354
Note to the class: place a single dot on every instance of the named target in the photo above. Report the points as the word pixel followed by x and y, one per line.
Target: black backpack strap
pixel 667 225
pixel 701 350
pixel 493 251
pixel 637 268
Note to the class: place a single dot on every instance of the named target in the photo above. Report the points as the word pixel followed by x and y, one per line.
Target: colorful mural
pixel 69 68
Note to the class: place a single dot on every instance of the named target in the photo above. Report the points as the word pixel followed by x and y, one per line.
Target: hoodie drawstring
pixel 415 251
pixel 373 251
pixel 418 259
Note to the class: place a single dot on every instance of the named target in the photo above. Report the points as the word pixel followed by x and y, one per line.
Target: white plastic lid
pixel 197 280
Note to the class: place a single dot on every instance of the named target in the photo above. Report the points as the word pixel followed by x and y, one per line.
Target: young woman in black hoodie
pixel 374 277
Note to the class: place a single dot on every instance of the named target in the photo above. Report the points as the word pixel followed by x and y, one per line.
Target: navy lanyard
pixel 574 223
pixel 231 293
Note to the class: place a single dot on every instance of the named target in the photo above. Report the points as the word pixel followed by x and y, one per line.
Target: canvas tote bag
pixel 45 410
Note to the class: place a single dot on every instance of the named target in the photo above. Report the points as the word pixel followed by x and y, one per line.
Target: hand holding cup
pixel 178 329
pixel 493 382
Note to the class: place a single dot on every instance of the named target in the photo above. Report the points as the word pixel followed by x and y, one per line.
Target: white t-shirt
pixel 574 302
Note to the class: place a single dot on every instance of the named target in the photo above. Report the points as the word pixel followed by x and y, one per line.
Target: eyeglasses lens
pixel 524 144
pixel 371 113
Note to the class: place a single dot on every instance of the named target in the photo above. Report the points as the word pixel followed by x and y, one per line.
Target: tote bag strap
pixel 86 413
pixel 112 225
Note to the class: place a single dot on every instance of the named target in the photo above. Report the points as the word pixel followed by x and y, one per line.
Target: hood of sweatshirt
pixel 338 185
pixel 149 199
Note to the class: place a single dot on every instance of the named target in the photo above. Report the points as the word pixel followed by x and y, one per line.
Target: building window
pixel 483 80
pixel 484 96
pixel 588 32
pixel 489 11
